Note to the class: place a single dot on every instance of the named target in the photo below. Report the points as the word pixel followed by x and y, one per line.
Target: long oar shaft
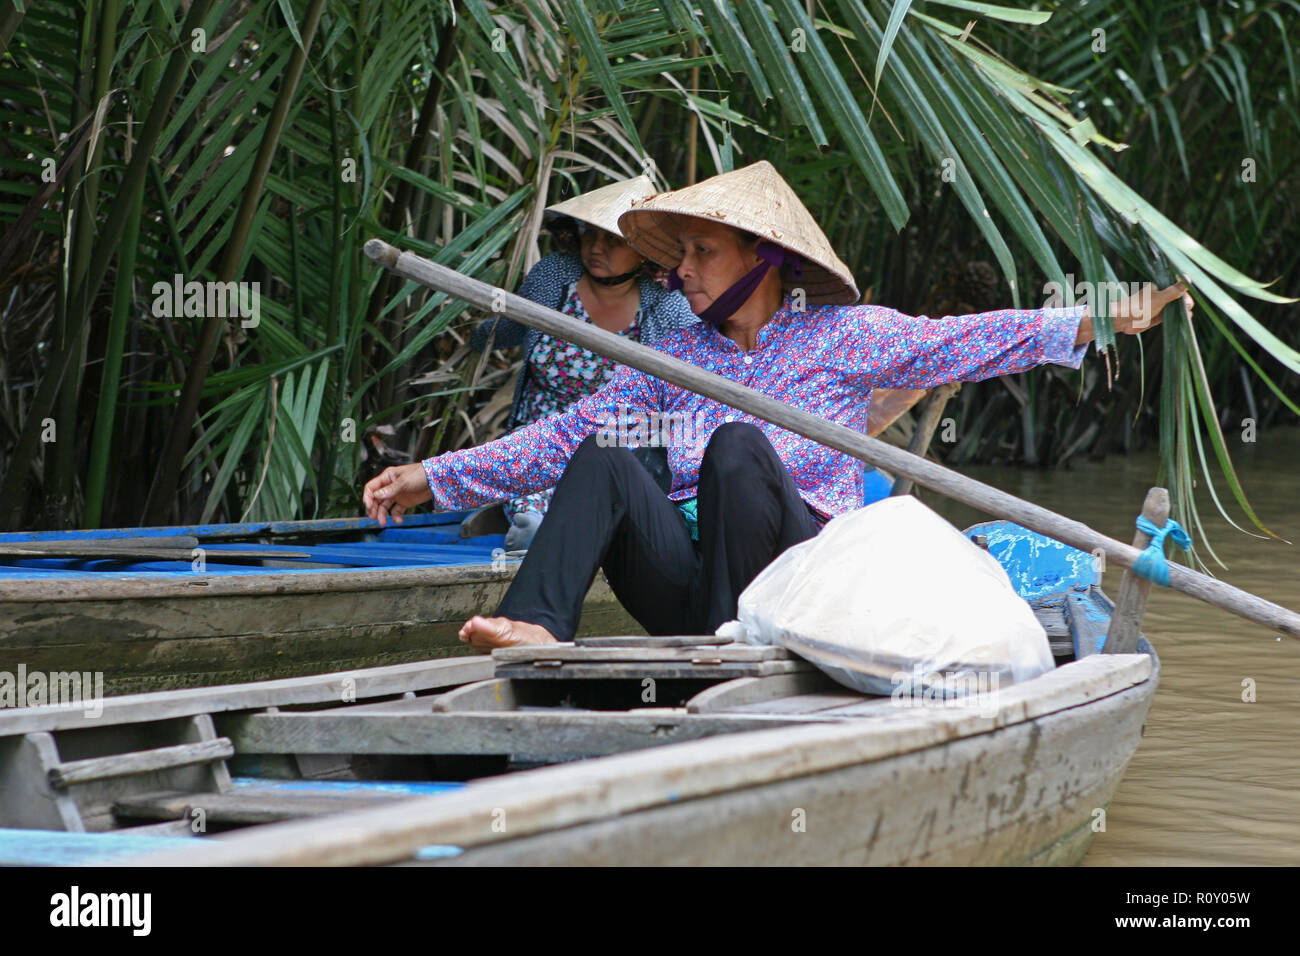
pixel 873 451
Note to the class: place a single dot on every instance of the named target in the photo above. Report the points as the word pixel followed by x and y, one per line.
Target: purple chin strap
pixel 725 305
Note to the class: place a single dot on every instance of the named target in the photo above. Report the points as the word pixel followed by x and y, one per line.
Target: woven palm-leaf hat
pixel 602 207
pixel 754 199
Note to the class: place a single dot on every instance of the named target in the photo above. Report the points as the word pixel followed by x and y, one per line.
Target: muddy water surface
pixel 1216 779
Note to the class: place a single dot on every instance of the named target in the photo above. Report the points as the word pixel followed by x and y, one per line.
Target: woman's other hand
pixel 394 490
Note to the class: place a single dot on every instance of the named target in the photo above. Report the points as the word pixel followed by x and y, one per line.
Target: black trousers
pixel 608 512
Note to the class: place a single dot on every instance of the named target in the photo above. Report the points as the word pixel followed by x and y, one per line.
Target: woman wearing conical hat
pixel 593 276
pixel 780 317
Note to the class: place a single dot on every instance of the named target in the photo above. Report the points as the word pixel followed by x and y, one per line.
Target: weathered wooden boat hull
pixel 212 635
pixel 548 756
pixel 149 630
pixel 1029 794
pixel 873 782
pixel 1025 782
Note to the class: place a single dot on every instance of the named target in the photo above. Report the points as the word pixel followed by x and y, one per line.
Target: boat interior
pixel 154 769
pixel 150 770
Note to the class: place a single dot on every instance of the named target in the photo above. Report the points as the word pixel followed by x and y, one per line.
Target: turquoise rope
pixel 690 515
pixel 1151 563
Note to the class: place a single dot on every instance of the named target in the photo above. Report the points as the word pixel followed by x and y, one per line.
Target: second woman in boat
pixel 594 276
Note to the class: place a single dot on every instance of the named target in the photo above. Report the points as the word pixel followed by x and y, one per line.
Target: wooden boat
pixel 163 608
pixel 610 750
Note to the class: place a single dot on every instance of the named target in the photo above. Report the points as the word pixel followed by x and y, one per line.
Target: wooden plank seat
pixel 757 692
pixel 689 640
pixel 587 654
pixel 1051 614
pixel 548 734
pixel 633 658
pixel 658 670
pixel 65 775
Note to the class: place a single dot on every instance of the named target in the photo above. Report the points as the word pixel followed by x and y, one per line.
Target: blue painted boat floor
pixel 424 541
pixel 1038 566
pixel 414 788
pixel 59 848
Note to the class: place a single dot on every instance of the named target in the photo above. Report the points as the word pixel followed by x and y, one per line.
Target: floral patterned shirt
pixel 559 374
pixel 823 359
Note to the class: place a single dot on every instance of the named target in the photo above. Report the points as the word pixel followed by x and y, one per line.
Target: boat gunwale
pixel 240 529
pixel 368 682
pixel 568 794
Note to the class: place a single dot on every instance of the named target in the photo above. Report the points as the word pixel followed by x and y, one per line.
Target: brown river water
pixel 1216 780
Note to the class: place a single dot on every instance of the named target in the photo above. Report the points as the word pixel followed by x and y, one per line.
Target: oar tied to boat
pixel 870 450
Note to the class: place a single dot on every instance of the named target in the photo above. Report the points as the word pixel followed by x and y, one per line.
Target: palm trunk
pixel 102 435
pixel 60 480
pixel 396 214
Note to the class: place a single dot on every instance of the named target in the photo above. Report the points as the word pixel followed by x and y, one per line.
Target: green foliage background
pixel 1106 140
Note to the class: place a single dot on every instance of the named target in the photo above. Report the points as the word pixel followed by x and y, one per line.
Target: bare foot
pixel 485 633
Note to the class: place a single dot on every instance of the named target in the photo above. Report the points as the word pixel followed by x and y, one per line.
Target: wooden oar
pixel 159 548
pixel 871 450
pixel 60 547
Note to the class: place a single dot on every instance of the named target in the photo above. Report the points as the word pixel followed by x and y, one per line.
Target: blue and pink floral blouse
pixel 824 359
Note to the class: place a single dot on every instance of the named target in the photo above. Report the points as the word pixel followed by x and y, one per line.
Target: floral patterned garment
pixel 559 374
pixel 824 359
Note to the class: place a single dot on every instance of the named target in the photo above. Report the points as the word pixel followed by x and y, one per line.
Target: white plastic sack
pixel 893 599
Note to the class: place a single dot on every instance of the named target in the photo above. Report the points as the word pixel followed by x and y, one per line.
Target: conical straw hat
pixel 755 199
pixel 602 207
